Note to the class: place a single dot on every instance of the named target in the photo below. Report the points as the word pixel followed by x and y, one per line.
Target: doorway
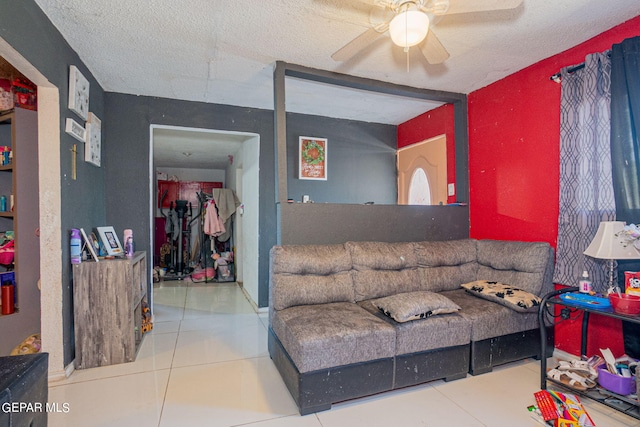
pixel 50 206
pixel 230 159
pixel 422 173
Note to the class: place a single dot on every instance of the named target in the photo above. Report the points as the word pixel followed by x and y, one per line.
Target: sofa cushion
pixel 488 319
pixel 444 265
pixel 381 255
pixel 289 290
pixel 371 284
pixel 507 295
pixel 432 333
pixel 310 274
pixel 310 259
pixel 525 265
pixel 408 306
pixel 327 335
pixel 382 269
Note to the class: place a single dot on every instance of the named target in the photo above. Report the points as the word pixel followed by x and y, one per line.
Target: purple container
pixel 616 383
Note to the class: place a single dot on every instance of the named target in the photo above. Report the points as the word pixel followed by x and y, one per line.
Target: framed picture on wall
pixel 78 92
pixel 312 163
pixel 92 145
pixel 75 129
pixel 110 240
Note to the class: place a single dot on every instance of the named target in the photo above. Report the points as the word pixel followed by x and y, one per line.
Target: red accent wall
pixel 514 139
pixel 439 121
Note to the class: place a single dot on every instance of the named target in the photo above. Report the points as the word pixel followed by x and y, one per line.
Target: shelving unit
pixel 623 404
pixel 107 297
pixel 7 175
pixel 19 130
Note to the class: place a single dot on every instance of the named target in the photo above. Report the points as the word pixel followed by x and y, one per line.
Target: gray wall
pixel 126 159
pixel 126 156
pixel 26 28
pixel 331 223
pixel 361 160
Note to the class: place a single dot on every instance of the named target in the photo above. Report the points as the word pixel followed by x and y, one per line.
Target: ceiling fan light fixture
pixel 409 28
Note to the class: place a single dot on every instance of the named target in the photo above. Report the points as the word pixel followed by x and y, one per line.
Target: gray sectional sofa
pixel 331 337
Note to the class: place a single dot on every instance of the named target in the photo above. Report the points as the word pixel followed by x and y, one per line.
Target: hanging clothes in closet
pixel 218 210
pixel 213 223
pixel 226 202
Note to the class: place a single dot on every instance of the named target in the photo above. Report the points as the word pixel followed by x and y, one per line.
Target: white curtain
pixel 586 188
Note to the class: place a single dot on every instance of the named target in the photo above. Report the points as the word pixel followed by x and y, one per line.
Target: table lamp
pixel 611 244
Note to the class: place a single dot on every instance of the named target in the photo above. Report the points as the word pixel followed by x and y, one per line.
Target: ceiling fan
pixel 408 24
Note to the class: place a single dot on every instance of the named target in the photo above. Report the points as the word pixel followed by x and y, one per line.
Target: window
pixel 419 191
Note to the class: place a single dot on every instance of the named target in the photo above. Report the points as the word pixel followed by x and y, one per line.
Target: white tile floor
pixel 206 364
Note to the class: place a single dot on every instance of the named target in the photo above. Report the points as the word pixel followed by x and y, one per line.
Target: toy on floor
pixel 30 345
pixel 147 324
pixel 221 264
pixel 200 275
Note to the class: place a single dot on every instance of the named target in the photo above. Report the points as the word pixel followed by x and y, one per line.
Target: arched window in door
pixel 422 173
pixel 419 191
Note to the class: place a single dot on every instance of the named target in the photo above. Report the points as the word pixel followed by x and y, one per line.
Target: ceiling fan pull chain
pixel 406 38
pixel 406 49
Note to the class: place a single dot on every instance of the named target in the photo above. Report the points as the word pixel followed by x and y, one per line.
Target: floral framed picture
pixel 312 162
pixel 78 93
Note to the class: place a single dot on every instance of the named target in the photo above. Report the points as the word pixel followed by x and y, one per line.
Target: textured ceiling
pixel 224 51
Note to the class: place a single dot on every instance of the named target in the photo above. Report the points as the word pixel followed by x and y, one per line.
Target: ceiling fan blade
pixel 467 6
pixel 433 50
pixel 359 43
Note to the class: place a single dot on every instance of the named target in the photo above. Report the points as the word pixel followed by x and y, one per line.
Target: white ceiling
pixel 224 51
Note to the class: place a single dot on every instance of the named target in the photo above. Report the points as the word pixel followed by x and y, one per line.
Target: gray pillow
pixel 507 295
pixel 408 306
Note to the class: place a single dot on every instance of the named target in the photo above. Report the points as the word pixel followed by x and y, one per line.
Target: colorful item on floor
pixel 565 410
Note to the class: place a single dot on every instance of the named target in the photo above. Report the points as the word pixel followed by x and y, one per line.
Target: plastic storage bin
pixel 616 383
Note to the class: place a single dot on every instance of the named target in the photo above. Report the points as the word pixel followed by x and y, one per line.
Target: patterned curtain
pixel 586 189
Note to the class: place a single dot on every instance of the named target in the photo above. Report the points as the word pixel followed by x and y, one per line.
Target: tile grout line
pixel 173 356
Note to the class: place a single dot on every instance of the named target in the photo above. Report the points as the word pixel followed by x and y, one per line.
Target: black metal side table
pixel 621 403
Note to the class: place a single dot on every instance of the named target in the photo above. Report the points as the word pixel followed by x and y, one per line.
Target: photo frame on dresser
pixel 110 241
pixel 89 244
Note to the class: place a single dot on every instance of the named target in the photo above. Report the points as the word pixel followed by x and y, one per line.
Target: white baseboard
pixel 62 375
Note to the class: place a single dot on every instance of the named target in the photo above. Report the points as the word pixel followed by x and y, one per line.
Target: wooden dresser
pixel 107 299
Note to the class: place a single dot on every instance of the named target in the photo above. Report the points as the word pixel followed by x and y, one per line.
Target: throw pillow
pixel 408 306
pixel 507 295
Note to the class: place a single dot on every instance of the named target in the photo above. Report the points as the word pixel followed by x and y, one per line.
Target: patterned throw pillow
pixel 507 295
pixel 408 306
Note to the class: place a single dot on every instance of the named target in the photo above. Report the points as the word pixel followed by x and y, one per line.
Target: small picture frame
pixel 75 129
pixel 110 241
pixel 89 243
